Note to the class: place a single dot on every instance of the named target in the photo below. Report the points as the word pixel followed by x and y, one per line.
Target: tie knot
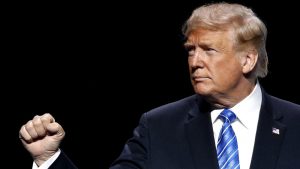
pixel 227 116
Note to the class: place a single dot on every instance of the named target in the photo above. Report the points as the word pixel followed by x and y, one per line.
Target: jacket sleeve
pixel 136 153
pixel 63 162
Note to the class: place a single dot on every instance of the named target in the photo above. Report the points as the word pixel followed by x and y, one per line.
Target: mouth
pixel 198 79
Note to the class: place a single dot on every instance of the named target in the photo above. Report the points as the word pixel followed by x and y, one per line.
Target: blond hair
pixel 248 28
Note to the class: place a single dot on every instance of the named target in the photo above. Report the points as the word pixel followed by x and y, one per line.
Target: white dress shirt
pixel 247 112
pixel 48 163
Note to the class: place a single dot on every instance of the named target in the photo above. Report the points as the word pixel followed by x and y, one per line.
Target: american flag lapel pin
pixel 275 131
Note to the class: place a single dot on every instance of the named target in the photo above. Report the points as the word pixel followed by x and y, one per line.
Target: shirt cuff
pixel 47 163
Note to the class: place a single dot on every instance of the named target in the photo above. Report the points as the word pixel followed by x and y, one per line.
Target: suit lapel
pixel 269 136
pixel 200 136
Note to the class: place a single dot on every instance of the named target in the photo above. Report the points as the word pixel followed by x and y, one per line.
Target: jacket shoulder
pixel 174 109
pixel 287 108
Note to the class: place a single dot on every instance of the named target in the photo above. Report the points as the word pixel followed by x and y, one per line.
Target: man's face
pixel 214 65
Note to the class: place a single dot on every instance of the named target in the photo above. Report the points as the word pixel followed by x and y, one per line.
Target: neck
pixel 233 97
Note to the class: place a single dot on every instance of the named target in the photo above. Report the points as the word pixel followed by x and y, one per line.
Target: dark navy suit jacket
pixel 179 135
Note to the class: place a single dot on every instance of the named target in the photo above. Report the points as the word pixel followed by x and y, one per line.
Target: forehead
pixel 204 36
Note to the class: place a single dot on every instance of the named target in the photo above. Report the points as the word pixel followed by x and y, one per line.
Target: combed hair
pixel 247 27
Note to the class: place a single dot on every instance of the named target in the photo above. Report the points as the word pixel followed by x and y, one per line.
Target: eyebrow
pixel 188 44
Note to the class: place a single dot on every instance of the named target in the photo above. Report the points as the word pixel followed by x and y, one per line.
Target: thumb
pixel 55 129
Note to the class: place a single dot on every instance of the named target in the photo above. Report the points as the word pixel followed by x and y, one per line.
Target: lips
pixel 199 78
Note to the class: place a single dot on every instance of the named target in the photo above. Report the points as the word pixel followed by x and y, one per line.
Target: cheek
pixel 226 73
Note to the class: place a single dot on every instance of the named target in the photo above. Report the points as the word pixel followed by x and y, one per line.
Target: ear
pixel 249 60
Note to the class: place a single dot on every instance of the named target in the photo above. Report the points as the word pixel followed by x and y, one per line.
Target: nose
pixel 197 59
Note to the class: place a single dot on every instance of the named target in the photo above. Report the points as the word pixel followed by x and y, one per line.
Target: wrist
pixel 39 160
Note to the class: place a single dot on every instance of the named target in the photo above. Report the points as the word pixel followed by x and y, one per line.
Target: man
pixel 231 122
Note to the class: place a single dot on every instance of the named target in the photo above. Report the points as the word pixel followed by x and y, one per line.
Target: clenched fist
pixel 41 136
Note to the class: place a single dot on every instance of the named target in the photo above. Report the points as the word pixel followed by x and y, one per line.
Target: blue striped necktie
pixel 227 147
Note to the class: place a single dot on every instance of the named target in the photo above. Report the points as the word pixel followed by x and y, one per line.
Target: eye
pixel 190 49
pixel 206 48
pixel 209 50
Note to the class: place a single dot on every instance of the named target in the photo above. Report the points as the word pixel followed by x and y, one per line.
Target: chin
pixel 204 91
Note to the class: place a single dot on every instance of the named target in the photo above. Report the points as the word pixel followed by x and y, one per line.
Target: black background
pixel 96 67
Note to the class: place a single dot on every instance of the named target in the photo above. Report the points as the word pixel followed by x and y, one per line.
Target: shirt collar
pixel 246 110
